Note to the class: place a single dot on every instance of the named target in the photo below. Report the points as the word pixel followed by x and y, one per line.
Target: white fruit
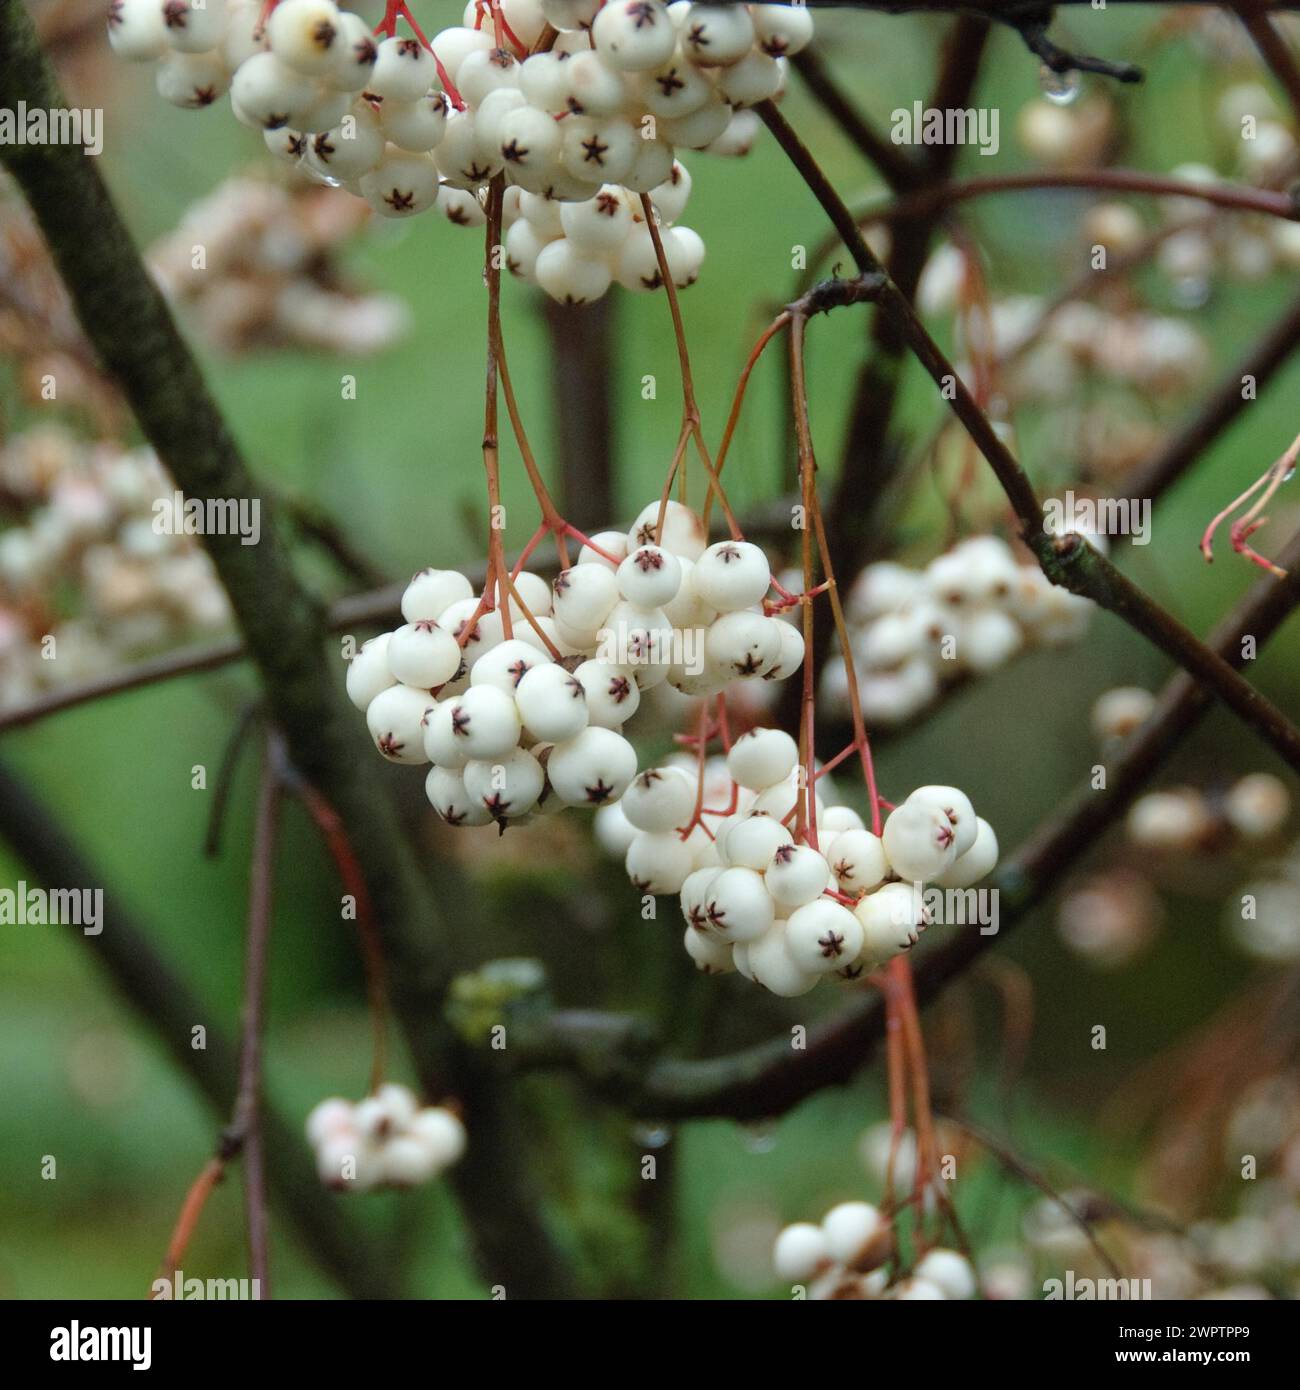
pixel 683 531
pixel 612 695
pixel 732 575
pixel 485 722
pixel 569 275
pixel 800 1252
pixel 404 70
pixel 406 1162
pixel 738 906
pixel 593 768
pixel 634 35
pixel 949 1271
pixel 976 863
pixel 330 1117
pixel 417 126
pixel 650 576
pixel 505 665
pixel 423 654
pixel 304 34
pixel 782 30
pixel 660 799
pixel 368 671
pixel 1257 805
pixel 506 786
pixel 773 967
pixel 441 1133
pixel 552 703
pixel 658 862
pixel 585 595
pixel 823 936
pixel 401 184
pixel 711 955
pixel 743 645
pixel 394 720
pixel 270 93
pixel 445 789
pixel 749 842
pixel 858 861
pixel 431 592
pixel 762 757
pixel 893 918
pixel 955 805
pixel 136 30
pixel 797 875
pixel 918 841
pixel 851 1228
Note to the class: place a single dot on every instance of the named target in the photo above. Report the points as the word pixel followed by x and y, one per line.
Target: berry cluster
pixel 529 720
pixel 580 129
pixel 385 1140
pixel 969 611
pixel 781 911
pixel 843 1258
pixel 87 582
pixel 1187 819
pixel 271 274
pixel 1252 808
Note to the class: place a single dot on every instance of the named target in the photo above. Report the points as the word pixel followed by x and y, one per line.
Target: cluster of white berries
pixel 782 913
pixel 579 130
pixel 1185 819
pixel 1046 351
pixel 844 1257
pixel 968 612
pixel 271 275
pixel 527 724
pixel 87 582
pixel 385 1140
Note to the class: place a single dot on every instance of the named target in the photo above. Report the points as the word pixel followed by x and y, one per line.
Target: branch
pixel 1072 563
pixel 1060 60
pixel 1274 50
pixel 894 165
pixel 1067 561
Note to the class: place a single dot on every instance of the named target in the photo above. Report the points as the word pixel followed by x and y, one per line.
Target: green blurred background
pixel 84 1080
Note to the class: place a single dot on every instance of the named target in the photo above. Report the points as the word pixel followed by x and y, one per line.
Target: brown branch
pixel 1274 50
pixel 1235 197
pixel 894 165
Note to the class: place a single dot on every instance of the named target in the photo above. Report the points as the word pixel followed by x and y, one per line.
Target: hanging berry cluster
pixel 520 707
pixel 385 1140
pixel 580 104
